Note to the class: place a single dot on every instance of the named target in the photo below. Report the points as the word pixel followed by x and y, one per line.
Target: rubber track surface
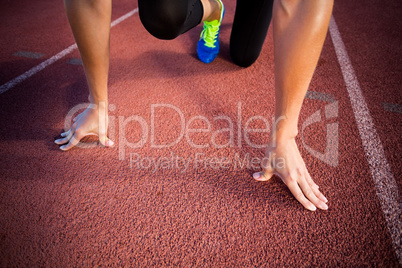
pixel 112 207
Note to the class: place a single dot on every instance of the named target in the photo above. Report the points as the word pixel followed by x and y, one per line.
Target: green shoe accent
pixel 208 45
pixel 210 32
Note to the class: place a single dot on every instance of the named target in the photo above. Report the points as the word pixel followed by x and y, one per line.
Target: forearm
pixel 300 28
pixel 90 24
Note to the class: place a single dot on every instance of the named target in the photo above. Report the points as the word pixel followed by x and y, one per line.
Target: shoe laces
pixel 210 32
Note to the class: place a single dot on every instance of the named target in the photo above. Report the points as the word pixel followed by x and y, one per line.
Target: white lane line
pixel 124 17
pixel 12 83
pixel 384 181
pixel 36 69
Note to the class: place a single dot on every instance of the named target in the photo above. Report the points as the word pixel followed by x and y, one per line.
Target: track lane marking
pixel 386 188
pixel 12 83
pixel 384 181
pixel 75 61
pixel 392 107
pixel 28 54
pixel 315 95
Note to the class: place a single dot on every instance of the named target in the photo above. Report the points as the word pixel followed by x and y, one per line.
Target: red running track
pixel 112 207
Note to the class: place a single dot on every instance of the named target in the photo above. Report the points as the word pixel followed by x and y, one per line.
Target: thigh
pixel 250 27
pixel 167 19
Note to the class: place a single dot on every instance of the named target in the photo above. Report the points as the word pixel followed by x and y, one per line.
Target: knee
pixel 243 60
pixel 286 7
pixel 315 9
pixel 163 19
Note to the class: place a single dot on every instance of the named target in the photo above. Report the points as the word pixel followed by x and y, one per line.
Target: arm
pixel 300 28
pixel 90 24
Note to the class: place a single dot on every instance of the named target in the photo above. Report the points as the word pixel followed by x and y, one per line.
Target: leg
pixel 167 19
pixel 90 23
pixel 212 10
pixel 250 26
pixel 300 28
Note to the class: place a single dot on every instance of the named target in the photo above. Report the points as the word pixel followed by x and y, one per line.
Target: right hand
pixel 285 161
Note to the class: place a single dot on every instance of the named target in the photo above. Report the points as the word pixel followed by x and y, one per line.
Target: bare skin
pixel 300 28
pixel 212 10
pixel 299 31
pixel 90 23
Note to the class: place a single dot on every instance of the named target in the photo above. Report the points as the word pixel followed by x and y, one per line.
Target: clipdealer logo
pixel 331 154
pixel 235 130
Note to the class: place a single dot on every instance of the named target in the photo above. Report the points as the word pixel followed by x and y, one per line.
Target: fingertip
pixel 109 143
pixel 260 176
pixel 321 197
pixel 308 205
pixel 257 175
pixel 66 147
pixel 65 133
pixel 58 141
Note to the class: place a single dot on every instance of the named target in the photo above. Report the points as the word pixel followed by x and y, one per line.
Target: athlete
pixel 299 29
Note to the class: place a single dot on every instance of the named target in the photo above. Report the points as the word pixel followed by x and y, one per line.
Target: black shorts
pixel 167 19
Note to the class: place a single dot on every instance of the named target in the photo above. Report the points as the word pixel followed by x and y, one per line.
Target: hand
pixel 89 122
pixel 285 161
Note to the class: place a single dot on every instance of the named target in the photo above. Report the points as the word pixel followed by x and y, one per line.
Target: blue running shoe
pixel 208 45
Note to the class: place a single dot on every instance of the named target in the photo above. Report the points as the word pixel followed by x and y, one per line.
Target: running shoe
pixel 208 45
